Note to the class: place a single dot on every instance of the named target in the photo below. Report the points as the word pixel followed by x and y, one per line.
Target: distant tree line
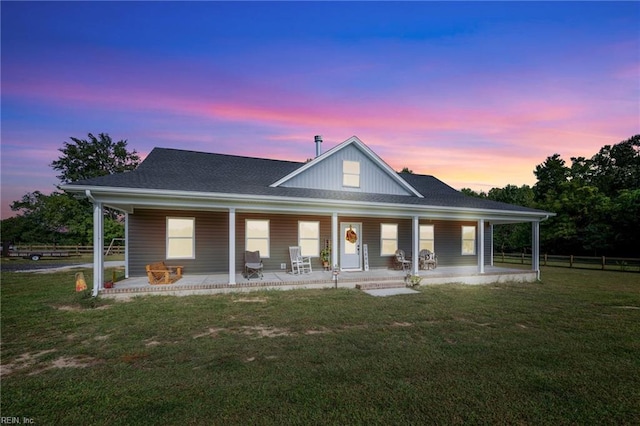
pixel 61 218
pixel 596 201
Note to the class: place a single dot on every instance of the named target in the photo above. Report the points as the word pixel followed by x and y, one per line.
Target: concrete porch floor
pixel 281 280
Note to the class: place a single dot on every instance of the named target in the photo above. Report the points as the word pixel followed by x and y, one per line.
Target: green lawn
pixel 564 351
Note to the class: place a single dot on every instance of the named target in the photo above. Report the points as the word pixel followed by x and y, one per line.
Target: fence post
pixel 545 259
pixel 522 259
pixel 571 261
pixel 603 262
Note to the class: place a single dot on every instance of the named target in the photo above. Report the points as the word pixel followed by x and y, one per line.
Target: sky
pixel 474 93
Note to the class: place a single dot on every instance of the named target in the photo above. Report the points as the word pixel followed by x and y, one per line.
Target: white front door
pixel 350 246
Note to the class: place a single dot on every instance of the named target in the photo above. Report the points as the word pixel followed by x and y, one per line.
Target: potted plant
pixel 325 256
pixel 413 280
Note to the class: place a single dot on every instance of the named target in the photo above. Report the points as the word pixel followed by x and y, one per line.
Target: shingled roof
pixel 199 172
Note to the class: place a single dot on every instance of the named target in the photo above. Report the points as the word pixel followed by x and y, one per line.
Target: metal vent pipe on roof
pixel 318 140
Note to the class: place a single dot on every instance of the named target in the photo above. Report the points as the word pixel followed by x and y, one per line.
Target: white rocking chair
pixel 299 264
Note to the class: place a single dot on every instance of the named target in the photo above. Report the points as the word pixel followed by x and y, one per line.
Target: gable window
pixel 181 240
pixel 309 238
pixel 427 238
pixel 388 239
pixel 257 236
pixel 468 240
pixel 351 173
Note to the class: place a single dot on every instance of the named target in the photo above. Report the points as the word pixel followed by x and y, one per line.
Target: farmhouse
pixel 204 211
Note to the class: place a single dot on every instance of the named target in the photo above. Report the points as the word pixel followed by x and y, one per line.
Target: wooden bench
pixel 159 273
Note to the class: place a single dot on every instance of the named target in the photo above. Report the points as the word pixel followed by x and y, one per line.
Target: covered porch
pixel 192 284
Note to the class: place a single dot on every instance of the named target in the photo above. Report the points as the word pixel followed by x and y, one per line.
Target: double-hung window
pixel 388 239
pixel 427 238
pixel 309 238
pixel 351 173
pixel 257 236
pixel 468 240
pixel 181 240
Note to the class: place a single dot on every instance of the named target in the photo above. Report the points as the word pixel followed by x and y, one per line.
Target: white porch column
pixel 491 245
pixel 334 240
pixel 415 267
pixel 98 247
pixel 481 244
pixel 535 247
pixel 232 246
pixel 126 245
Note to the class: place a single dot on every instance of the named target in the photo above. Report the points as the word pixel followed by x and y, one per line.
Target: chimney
pixel 318 139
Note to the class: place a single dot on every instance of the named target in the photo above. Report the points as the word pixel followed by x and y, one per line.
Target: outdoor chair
pixel 402 262
pixel 428 259
pixel 299 264
pixel 159 273
pixel 252 264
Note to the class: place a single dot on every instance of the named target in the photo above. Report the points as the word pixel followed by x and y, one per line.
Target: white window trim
pixel 192 237
pixel 346 174
pixel 317 239
pixel 475 241
pixel 382 240
pixel 246 236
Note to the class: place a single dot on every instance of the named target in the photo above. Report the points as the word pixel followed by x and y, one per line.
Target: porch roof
pixel 189 173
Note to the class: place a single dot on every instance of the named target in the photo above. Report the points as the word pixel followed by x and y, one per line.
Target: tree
pixel 613 168
pixel 60 217
pixel 99 156
pixel 57 218
pixel 551 175
pixel 515 236
pixel 594 200
pixel 624 216
pixel 470 192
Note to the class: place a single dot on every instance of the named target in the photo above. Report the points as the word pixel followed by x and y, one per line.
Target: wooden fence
pixel 580 262
pixel 72 249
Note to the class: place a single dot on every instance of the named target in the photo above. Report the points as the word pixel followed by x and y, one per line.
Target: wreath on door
pixel 351 235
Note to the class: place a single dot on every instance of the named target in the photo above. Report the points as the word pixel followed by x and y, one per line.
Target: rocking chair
pixel 299 263
pixel 428 259
pixel 402 262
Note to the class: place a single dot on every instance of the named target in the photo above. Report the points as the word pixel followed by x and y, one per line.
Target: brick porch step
pixel 377 286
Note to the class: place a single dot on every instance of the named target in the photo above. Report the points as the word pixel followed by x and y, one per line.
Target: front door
pixel 350 246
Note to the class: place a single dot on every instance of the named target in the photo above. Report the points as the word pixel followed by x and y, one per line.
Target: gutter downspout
pixel 535 238
pixel 98 244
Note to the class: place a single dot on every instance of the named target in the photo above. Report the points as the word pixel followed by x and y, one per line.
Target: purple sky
pixel 476 94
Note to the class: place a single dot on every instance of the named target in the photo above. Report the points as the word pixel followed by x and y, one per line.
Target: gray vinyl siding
pixel 448 243
pixel 147 241
pixel 327 174
pixel 283 233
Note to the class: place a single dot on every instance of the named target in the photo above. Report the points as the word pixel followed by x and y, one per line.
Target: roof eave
pixel 127 198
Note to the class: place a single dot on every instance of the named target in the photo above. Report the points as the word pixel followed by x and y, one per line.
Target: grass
pixel 564 351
